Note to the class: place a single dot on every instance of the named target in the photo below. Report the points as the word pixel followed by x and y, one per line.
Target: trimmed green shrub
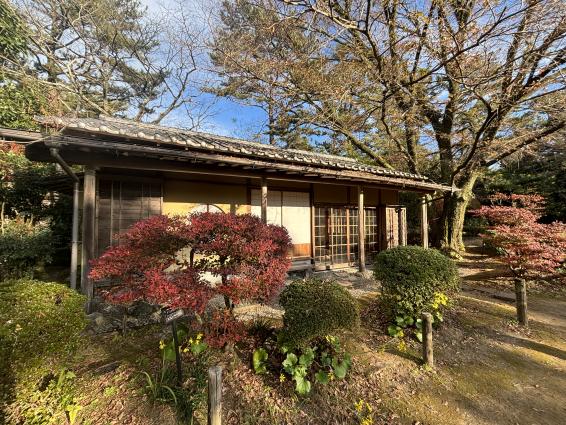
pixel 40 319
pixel 40 328
pixel 24 247
pixel 316 308
pixel 411 276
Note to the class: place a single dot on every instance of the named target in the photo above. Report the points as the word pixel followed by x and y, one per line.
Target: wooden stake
pixel 521 301
pixel 428 356
pixel 215 395
pixel 177 353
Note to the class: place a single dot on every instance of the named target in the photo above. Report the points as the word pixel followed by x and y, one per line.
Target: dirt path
pixel 489 370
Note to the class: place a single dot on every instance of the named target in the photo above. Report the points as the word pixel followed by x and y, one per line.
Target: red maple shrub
pixel 529 248
pixel 222 328
pixel 163 260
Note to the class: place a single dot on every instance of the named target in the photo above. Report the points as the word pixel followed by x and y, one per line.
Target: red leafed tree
pixel 530 248
pixel 163 260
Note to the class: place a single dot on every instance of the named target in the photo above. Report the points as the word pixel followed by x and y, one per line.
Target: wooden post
pixel 521 301
pixel 428 356
pixel 75 236
pixel 177 353
pixel 264 199
pixel 88 237
pixel 424 223
pixel 215 395
pixel 402 225
pixel 361 230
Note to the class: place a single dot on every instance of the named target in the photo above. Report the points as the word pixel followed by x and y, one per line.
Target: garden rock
pixel 109 317
pixel 141 309
pixel 99 323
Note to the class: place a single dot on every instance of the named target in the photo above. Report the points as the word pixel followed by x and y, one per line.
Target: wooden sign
pixel 172 315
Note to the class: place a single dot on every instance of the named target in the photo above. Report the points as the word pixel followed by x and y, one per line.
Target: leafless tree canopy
pixel 112 57
pixel 469 76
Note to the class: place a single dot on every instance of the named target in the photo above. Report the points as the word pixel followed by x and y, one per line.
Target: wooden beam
pixel 424 223
pixel 88 234
pixel 264 199
pixel 361 231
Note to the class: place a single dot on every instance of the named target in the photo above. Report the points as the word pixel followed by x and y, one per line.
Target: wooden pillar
pixel 215 395
pixel 424 222
pixel 75 235
pixel 88 236
pixel 361 230
pixel 264 199
pixel 402 225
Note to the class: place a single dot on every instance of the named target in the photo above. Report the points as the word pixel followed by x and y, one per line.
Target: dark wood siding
pixel 122 203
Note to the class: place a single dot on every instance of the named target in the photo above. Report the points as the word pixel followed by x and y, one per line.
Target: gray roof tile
pixel 191 139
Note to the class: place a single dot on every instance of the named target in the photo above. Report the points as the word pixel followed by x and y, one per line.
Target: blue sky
pixel 227 117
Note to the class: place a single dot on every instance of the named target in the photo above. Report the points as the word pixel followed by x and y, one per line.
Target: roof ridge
pixel 178 136
pixel 229 139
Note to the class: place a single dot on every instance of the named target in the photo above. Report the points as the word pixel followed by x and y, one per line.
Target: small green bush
pixel 24 247
pixel 316 308
pixel 411 276
pixel 40 319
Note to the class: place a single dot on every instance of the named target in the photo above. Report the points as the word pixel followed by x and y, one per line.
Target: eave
pixel 128 155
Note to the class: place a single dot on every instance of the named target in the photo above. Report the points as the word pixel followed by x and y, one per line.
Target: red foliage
pixel 530 247
pixel 249 256
pixel 152 261
pixel 223 328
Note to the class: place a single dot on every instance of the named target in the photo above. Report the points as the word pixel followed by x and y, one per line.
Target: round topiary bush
pixel 412 276
pixel 316 308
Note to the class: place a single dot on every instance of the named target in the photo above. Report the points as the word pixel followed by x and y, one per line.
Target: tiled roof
pixel 127 129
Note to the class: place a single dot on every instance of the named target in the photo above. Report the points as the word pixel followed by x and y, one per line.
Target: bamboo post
pixel 521 301
pixel 215 395
pixel 428 356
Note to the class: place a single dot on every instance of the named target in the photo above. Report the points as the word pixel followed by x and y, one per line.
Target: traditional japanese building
pixel 337 211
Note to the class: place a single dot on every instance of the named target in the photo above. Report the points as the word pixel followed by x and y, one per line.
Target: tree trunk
pixel 451 222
